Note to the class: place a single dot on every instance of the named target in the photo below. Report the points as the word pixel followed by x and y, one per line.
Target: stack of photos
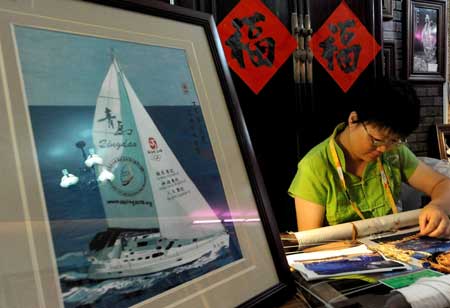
pixel 331 263
pixel 432 252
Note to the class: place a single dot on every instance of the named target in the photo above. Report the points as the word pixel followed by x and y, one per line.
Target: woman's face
pixel 369 141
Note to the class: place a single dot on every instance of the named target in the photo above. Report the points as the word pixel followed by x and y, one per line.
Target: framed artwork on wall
pixel 426 30
pixel 132 179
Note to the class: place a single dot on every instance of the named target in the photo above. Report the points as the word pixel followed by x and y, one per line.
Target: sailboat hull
pixel 155 260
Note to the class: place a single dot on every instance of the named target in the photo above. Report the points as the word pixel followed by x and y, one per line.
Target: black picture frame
pixel 425 40
pixel 443 140
pixel 260 277
pixel 388 9
pixel 389 59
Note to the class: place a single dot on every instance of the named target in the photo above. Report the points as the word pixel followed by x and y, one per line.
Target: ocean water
pixel 63 135
pixel 77 291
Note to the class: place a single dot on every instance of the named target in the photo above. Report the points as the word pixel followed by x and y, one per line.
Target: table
pixel 364 291
pixel 347 293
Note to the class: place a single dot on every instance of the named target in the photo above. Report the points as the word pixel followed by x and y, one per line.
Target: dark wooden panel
pixel 270 116
pixel 330 105
pixel 284 124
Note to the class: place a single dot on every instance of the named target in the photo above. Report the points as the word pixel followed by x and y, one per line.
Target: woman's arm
pixel 433 220
pixel 310 215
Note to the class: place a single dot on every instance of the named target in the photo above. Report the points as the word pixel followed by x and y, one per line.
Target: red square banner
pixel 343 46
pixel 255 42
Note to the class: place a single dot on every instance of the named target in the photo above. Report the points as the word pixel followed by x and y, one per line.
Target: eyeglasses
pixel 379 143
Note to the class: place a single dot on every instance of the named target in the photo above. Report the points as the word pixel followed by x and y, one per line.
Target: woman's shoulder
pixel 401 157
pixel 318 155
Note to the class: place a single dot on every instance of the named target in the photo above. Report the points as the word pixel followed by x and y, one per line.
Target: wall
pixel 423 140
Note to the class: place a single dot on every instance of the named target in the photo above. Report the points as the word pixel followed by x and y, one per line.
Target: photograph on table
pixel 348 261
pixel 431 252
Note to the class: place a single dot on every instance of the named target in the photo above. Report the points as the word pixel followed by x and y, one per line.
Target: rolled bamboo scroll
pixel 363 228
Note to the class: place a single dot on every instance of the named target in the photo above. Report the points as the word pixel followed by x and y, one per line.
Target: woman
pixel 357 172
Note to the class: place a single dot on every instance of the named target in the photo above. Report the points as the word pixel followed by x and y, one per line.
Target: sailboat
pixel 150 202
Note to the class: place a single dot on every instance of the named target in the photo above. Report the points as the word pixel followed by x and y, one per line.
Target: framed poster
pixel 426 23
pixel 131 178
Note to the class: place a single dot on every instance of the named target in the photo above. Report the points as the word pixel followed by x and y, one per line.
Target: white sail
pixel 127 198
pixel 171 200
pixel 178 201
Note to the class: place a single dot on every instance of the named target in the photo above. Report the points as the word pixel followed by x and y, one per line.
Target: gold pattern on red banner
pixel 343 46
pixel 255 42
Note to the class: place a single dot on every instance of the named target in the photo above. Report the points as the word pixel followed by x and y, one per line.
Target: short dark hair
pixel 391 104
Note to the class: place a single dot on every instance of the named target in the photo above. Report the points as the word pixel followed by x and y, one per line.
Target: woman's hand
pixel 434 221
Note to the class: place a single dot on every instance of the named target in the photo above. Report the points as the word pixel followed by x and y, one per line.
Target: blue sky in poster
pixel 68 69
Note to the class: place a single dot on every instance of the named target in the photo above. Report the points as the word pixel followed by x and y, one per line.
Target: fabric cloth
pixel 428 292
pixel 317 181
